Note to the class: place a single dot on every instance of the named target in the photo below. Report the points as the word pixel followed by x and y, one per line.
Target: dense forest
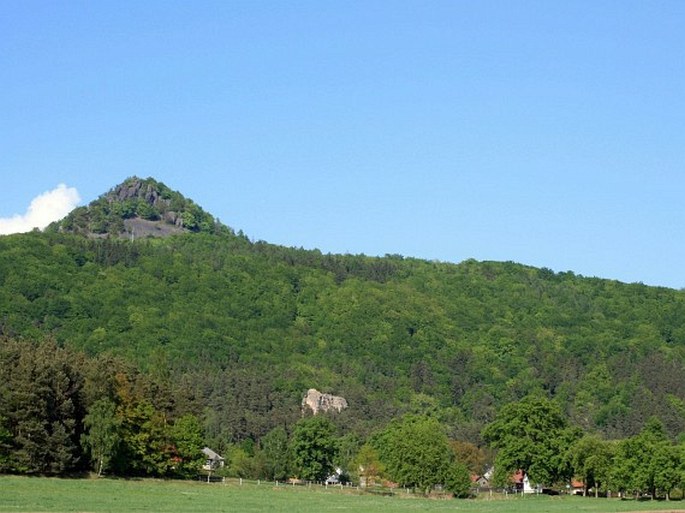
pixel 204 323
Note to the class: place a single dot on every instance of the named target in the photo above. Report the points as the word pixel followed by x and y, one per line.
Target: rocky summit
pixel 138 208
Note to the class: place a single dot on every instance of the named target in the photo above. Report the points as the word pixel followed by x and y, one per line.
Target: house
pixel 479 481
pixel 519 480
pixel 483 481
pixel 213 461
pixel 577 487
pixel 336 477
pixel 522 483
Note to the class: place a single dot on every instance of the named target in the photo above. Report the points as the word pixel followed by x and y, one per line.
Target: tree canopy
pixel 249 326
pixel 532 435
pixel 415 452
pixel 314 447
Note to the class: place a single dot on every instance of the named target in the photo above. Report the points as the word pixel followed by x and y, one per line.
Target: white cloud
pixel 44 209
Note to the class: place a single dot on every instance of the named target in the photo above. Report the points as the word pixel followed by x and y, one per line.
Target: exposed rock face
pixel 135 188
pixel 323 402
pixel 141 228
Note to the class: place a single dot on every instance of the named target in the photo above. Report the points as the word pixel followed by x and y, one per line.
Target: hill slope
pixel 242 329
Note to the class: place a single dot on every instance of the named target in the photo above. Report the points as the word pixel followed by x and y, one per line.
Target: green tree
pixel 592 460
pixel 186 436
pixel 648 462
pixel 458 480
pixel 314 447
pixel 665 465
pixel 147 211
pixel 348 448
pixel 239 462
pixel 41 404
pixel 470 455
pixel 274 448
pixel 532 435
pixel 146 440
pixel 627 462
pixel 416 452
pixel 681 458
pixel 367 465
pixel 146 443
pixel 5 445
pixel 102 437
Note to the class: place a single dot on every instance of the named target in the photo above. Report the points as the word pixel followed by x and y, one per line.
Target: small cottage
pixel 213 460
pixel 522 484
pixel 484 480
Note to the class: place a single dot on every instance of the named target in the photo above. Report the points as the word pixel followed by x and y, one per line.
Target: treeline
pixel 535 437
pixel 62 412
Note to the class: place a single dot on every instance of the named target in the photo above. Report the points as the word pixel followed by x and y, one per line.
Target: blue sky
pixel 545 132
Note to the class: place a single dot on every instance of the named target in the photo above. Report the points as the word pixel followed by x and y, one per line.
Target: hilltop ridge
pixel 138 208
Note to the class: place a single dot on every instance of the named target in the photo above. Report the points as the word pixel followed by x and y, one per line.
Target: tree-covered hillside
pixel 237 330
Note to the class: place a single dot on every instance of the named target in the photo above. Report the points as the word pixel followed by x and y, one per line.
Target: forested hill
pixel 237 331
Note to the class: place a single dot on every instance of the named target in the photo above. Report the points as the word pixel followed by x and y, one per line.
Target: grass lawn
pixel 38 494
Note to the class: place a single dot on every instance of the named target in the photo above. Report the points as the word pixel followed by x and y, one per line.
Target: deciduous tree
pixel 367 465
pixel 186 436
pixel 274 447
pixel 102 436
pixel 313 447
pixel 592 460
pixel 532 435
pixel 416 453
pixel 647 462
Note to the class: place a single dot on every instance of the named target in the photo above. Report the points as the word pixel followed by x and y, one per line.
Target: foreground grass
pixel 26 494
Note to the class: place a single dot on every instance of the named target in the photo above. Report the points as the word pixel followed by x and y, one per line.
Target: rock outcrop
pixel 317 401
pixel 139 208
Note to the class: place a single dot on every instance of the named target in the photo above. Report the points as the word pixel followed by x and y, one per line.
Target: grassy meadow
pixel 37 494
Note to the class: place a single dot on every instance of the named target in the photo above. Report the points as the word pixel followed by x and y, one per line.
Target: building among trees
pixel 213 460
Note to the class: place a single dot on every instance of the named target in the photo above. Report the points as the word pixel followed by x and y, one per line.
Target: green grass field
pixel 26 494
